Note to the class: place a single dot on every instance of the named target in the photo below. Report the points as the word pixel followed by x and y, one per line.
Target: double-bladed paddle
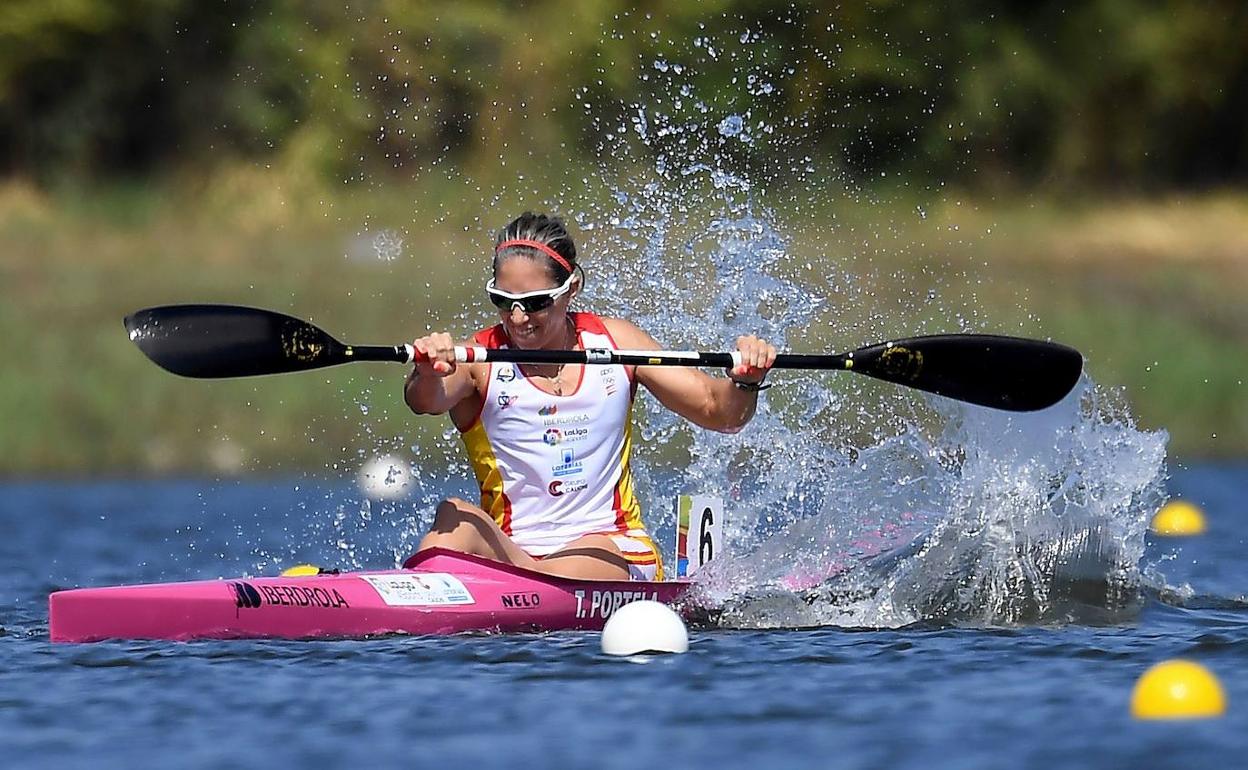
pixel 212 341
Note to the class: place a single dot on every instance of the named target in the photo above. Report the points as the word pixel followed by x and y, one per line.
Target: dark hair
pixel 543 229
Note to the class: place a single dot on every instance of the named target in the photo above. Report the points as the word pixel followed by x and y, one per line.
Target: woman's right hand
pixel 435 353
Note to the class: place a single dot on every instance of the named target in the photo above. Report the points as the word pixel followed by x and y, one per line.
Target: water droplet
pixel 731 125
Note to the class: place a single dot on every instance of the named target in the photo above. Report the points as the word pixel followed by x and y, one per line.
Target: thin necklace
pixel 556 382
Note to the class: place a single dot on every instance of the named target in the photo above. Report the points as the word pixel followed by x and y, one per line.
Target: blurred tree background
pixel 179 150
pixel 1111 93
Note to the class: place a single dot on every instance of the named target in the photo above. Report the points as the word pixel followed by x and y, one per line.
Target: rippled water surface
pixel 932 694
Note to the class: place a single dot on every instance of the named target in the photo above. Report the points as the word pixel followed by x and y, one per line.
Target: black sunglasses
pixel 529 301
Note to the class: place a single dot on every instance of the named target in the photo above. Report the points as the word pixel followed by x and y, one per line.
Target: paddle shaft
pixel 213 341
pixel 473 354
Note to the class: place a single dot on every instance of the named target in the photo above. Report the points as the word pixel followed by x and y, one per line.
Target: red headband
pixel 548 251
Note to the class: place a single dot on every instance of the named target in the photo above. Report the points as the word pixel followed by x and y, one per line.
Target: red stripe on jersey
pixel 505 524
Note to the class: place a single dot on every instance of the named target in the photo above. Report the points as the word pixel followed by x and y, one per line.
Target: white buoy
pixel 644 626
pixel 387 477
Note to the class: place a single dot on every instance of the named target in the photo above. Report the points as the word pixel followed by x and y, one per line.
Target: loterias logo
pixel 569 465
pixel 245 596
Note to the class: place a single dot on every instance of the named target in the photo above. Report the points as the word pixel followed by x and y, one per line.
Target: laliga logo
pixel 552 436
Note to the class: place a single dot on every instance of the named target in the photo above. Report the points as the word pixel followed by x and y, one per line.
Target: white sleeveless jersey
pixel 553 468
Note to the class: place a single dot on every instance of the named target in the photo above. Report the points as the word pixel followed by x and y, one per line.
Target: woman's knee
pixel 454 511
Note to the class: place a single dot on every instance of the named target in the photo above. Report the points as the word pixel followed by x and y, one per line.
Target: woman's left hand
pixel 757 358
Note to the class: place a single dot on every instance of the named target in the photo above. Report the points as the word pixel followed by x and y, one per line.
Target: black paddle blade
pixel 210 341
pixel 1008 373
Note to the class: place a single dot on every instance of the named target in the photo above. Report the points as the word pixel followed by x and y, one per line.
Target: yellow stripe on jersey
pixel 640 550
pixel 489 478
pixel 629 506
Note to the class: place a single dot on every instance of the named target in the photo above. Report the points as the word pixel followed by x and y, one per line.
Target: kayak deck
pixel 437 592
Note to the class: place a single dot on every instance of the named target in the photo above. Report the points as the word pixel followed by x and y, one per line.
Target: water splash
pixel 1001 519
pixel 850 502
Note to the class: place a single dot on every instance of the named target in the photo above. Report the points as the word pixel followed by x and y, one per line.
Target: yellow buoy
pixel 301 570
pixel 1179 517
pixel 1177 689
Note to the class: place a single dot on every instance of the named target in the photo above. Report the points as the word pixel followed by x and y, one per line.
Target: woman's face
pixel 545 328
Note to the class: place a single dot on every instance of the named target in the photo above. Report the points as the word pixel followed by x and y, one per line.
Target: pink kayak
pixel 437 592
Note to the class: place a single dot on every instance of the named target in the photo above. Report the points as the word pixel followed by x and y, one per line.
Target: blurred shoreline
pixel 1149 288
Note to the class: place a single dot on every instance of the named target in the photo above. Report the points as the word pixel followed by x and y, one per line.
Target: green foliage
pixel 1109 92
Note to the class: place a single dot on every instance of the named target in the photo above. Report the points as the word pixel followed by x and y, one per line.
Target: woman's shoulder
pixel 491 337
pixel 625 333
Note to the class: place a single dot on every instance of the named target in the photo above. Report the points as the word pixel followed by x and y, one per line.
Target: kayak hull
pixel 438 592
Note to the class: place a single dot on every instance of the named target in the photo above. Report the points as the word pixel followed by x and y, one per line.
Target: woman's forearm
pixel 426 393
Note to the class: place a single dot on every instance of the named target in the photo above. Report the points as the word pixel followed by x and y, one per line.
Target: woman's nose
pixel 517 314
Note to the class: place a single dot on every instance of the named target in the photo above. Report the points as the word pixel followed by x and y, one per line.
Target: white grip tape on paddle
pixel 463 355
pixel 469 354
pixel 736 358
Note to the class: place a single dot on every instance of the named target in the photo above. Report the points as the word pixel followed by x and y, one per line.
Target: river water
pixel 1021 601
pixel 935 693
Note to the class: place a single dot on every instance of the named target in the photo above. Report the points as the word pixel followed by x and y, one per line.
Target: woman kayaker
pixel 550 445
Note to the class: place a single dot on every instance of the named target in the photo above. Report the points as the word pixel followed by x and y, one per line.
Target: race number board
pixel 699 532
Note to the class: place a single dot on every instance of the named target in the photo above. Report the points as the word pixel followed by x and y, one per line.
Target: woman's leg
pixel 458 525
pixel 592 557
